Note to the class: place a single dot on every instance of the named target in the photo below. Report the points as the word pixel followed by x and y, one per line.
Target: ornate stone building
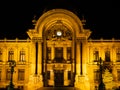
pixel 58 52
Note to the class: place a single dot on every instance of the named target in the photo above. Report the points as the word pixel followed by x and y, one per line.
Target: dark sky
pixel 102 16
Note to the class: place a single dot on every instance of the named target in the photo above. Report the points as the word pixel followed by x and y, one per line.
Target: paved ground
pixel 58 88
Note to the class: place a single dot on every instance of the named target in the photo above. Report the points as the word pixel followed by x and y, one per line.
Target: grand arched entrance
pixel 58 51
pixel 61 41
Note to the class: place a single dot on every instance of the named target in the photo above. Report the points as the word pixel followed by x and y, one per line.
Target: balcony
pixel 59 61
pixel 21 63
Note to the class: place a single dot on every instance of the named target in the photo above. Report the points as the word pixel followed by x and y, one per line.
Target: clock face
pixel 59 33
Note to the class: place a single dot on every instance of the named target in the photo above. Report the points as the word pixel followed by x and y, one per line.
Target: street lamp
pixel 101 84
pixel 12 64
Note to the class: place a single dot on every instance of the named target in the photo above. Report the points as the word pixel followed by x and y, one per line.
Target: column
pixel 51 82
pixel 36 63
pixel 39 58
pixel 78 57
pixel 66 82
pixel 33 58
pixel 65 52
pixel 52 52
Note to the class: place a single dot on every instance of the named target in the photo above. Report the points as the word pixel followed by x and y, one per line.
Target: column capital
pixel 80 39
pixel 37 39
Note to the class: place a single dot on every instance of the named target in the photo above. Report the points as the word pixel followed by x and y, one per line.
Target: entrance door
pixel 59 78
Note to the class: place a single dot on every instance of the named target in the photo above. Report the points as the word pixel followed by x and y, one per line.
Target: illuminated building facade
pixel 59 53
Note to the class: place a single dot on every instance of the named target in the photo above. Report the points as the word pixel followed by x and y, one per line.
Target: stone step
pixel 58 88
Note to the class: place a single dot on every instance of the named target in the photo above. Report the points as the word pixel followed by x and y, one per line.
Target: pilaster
pixel 51 81
pixel 81 80
pixel 66 81
pixel 52 52
pixel 65 52
pixel 36 78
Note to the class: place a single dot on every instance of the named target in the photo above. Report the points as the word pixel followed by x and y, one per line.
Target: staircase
pixel 58 88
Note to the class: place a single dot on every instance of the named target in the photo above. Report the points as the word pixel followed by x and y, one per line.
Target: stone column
pixel 51 81
pixel 65 52
pixel 80 79
pixel 78 58
pixel 52 52
pixel 39 58
pixel 33 58
pixel 36 80
pixel 66 82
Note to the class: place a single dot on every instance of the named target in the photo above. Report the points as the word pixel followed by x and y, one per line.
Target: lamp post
pixel 12 64
pixel 101 84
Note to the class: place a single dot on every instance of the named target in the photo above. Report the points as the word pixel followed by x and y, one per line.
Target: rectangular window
pixel 59 54
pixel 118 55
pixel 96 75
pixel 11 55
pixel 118 74
pixel 8 74
pixel 69 75
pixel 0 74
pixel 48 74
pixel 0 55
pixel 22 56
pixel 68 53
pixel 107 56
pixel 96 56
pixel 48 53
pixel 21 74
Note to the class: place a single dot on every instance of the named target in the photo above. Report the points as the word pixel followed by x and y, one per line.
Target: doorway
pixel 58 78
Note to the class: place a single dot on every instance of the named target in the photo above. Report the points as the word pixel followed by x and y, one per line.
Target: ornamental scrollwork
pixel 58 31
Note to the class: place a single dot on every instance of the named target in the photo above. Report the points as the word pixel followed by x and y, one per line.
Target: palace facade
pixel 58 52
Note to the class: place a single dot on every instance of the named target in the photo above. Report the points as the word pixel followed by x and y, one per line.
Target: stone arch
pixel 69 19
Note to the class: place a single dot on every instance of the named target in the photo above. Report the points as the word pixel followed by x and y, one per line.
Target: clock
pixel 59 33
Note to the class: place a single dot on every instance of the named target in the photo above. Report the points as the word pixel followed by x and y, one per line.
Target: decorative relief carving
pixel 37 39
pixel 58 31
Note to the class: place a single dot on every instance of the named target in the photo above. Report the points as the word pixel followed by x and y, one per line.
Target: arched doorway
pixel 58 51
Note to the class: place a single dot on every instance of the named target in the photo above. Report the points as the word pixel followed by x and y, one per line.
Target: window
pixel 118 74
pixel 48 74
pixel 0 55
pixel 59 54
pixel 21 87
pixel 8 74
pixel 69 75
pixel 107 55
pixel 0 74
pixel 96 75
pixel 21 74
pixel 22 55
pixel 68 53
pixel 95 56
pixel 118 55
pixel 48 53
pixel 11 55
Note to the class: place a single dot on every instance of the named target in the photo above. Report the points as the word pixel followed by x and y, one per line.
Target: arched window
pixel 11 55
pixel 95 55
pixel 107 55
pixel 22 55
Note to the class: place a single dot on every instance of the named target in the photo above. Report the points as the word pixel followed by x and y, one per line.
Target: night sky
pixel 102 16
